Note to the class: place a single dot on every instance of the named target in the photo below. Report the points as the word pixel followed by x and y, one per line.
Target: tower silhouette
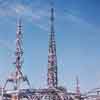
pixel 17 77
pixel 77 86
pixel 52 58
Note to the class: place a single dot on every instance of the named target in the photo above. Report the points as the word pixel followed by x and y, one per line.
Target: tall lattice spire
pixel 17 77
pixel 77 86
pixel 52 58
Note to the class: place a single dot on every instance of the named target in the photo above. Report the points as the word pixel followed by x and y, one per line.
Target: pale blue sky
pixel 77 34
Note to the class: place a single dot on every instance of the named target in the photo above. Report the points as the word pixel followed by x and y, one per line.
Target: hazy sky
pixel 77 27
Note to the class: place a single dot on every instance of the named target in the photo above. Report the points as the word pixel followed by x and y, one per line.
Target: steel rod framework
pixel 52 58
pixel 53 92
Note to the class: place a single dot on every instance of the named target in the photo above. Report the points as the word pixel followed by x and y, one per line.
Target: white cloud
pixel 80 21
pixel 7 44
pixel 10 47
pixel 43 27
pixel 17 9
